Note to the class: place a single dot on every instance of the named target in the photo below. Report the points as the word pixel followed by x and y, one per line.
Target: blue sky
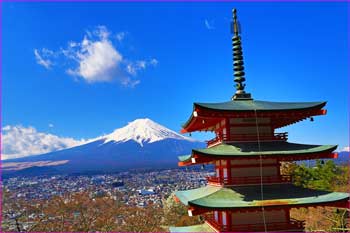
pixel 162 57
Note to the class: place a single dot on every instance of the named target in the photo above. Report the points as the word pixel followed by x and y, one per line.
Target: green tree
pixel 175 214
pixel 322 176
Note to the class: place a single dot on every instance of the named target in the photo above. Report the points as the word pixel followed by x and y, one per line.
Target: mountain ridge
pixel 143 130
pixel 141 143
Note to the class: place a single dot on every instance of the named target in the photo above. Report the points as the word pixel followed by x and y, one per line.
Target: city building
pixel 248 191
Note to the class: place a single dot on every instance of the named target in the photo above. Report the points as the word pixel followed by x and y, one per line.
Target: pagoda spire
pixel 238 64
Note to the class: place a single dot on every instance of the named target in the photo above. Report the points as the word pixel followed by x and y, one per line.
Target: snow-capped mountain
pixel 142 143
pixel 143 131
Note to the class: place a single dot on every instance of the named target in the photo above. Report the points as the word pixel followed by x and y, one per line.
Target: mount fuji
pixel 142 143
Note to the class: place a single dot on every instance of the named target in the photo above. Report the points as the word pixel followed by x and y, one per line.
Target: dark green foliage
pixel 324 176
pixel 321 176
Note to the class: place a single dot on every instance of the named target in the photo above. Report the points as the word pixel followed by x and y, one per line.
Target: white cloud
pixel 19 141
pixel 120 36
pixel 209 25
pixel 51 125
pixel 347 149
pixel 134 67
pixel 72 44
pixel 42 59
pixel 154 62
pixel 129 82
pixel 97 59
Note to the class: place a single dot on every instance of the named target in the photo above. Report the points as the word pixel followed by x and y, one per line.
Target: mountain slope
pixel 141 144
pixel 143 130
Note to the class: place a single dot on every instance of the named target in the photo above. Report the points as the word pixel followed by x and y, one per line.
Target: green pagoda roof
pixel 195 121
pixel 195 228
pixel 251 105
pixel 248 149
pixel 250 196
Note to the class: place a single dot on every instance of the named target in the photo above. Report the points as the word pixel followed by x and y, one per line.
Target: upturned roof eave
pixel 318 149
pixel 290 205
pixel 204 106
pixel 259 106
pixel 212 197
pixel 242 155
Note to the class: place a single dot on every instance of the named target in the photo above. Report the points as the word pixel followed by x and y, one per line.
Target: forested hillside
pixel 84 212
pixel 323 176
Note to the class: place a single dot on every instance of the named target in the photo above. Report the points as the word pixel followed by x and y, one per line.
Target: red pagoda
pixel 248 191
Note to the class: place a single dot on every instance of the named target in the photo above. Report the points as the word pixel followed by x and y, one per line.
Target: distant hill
pixel 343 159
pixel 143 143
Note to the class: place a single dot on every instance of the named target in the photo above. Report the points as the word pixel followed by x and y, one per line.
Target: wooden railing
pixel 209 217
pixel 247 137
pixel 262 137
pixel 293 225
pixel 217 180
pixel 264 179
pixel 217 140
pixel 250 180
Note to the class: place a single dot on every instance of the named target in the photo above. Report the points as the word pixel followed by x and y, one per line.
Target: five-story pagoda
pixel 248 192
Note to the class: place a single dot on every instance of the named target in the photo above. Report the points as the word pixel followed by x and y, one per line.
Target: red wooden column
pixel 221 172
pixel 228 167
pixel 217 169
pixel 229 179
pixel 228 162
pixel 287 214
pixel 228 128
pixel 229 220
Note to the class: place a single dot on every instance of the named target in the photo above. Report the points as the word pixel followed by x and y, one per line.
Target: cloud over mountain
pixel 19 141
pixel 142 143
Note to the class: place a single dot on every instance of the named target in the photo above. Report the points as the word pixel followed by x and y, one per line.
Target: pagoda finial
pixel 238 63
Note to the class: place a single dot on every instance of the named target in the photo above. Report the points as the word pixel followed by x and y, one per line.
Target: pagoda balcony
pixel 209 218
pixel 217 180
pixel 292 225
pixel 247 138
pixel 217 140
pixel 249 180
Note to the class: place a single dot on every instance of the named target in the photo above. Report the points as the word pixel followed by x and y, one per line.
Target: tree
pixel 176 214
pixel 146 219
pixel 77 212
pixel 15 213
pixel 82 212
pixel 325 219
pixel 324 176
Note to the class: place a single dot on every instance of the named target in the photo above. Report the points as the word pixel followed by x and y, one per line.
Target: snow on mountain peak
pixel 143 130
